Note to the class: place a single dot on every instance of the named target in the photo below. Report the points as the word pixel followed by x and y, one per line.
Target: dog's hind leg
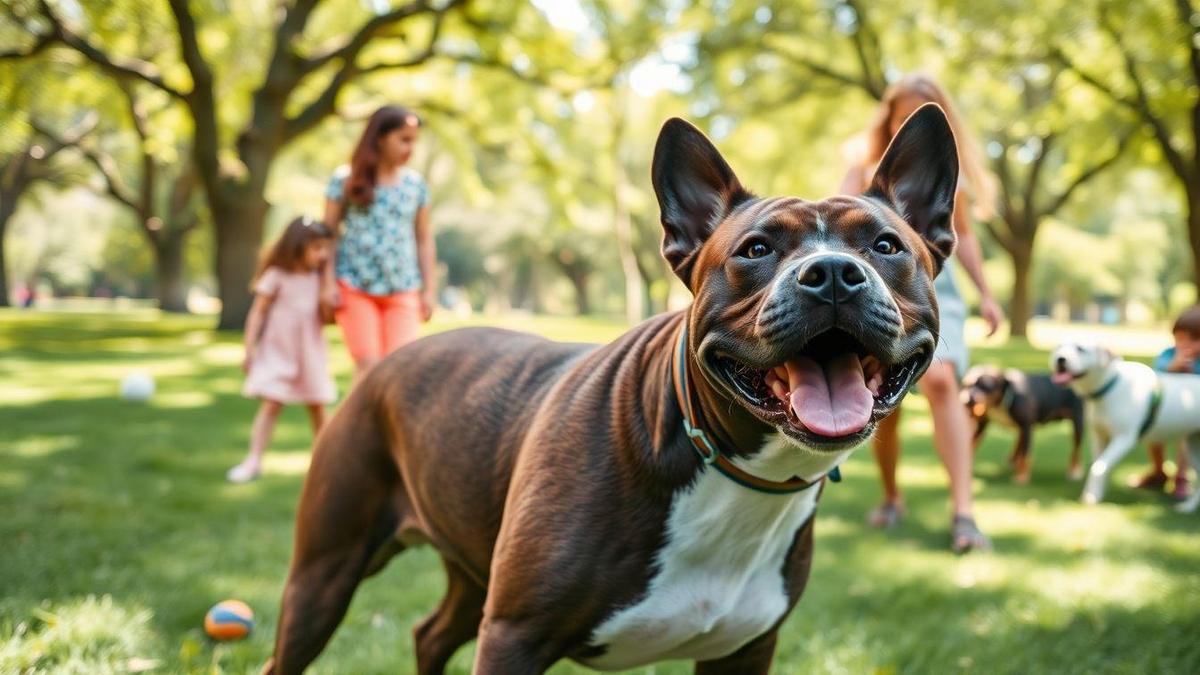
pixel 453 624
pixel 347 514
pixel 1189 505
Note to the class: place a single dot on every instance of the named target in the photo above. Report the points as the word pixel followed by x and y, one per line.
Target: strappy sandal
pixel 966 536
pixel 886 516
pixel 1181 491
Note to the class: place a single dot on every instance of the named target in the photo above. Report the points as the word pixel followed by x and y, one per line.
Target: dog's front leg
pixel 981 424
pixel 752 659
pixel 1020 455
pixel 510 648
pixel 1097 480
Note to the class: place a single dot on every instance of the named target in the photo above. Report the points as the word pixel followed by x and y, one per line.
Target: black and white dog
pixel 1021 401
pixel 1128 402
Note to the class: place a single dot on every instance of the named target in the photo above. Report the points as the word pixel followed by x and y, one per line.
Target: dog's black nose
pixel 1060 363
pixel 832 278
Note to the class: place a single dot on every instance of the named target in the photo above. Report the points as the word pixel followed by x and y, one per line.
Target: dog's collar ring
pixel 700 439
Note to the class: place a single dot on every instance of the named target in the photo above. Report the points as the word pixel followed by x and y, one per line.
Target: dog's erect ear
pixel 918 176
pixel 695 188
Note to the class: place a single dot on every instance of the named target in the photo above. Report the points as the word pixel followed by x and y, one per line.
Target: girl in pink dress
pixel 285 349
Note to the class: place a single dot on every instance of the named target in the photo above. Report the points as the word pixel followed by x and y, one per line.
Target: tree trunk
pixel 238 218
pixel 579 281
pixel 1193 223
pixel 170 289
pixel 623 221
pixel 7 209
pixel 1021 307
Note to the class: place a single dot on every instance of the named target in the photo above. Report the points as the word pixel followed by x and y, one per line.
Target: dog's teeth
pixel 875 383
pixel 777 386
pixel 871 366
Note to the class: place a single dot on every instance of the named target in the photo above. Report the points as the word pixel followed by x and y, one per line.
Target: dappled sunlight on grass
pixel 287 463
pixel 183 399
pixel 102 496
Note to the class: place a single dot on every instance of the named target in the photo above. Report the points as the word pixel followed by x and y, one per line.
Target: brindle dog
pixel 576 514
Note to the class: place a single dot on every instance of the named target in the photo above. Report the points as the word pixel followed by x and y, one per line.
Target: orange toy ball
pixel 229 620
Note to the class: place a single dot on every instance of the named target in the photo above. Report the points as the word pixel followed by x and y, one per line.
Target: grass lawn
pixel 117 532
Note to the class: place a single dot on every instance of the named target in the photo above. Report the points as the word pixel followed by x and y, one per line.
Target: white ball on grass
pixel 137 387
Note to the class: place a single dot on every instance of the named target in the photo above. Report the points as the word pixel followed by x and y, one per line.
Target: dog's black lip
pixel 907 370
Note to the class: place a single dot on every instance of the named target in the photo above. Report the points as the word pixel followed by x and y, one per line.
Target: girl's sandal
pixel 966 536
pixel 243 473
pixel 1181 491
pixel 886 516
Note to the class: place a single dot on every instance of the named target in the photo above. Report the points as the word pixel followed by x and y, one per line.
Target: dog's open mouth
pixel 1062 375
pixel 831 391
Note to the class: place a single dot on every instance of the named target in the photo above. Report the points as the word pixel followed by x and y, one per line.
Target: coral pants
pixel 375 325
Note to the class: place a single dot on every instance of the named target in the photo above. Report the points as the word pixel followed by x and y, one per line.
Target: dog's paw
pixel 1075 473
pixel 1020 479
pixel 1089 499
pixel 1186 507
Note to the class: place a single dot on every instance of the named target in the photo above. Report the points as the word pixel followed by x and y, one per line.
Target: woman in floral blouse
pixel 381 284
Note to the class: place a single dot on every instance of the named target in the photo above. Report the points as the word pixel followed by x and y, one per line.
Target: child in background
pixel 1184 357
pixel 285 349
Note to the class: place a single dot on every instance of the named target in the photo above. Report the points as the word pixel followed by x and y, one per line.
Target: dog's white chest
pixel 720 580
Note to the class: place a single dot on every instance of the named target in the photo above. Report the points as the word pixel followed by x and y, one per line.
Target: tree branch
pixel 823 70
pixel 325 103
pixel 866 39
pixel 349 50
pixel 1046 142
pixel 1088 174
pixel 1003 238
pixel 201 100
pixel 120 68
pixel 103 162
pixel 1139 103
pixel 149 166
pixel 42 42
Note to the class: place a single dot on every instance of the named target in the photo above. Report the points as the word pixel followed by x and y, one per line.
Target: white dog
pixel 1127 403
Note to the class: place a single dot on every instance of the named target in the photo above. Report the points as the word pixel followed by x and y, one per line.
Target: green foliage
pixel 541 119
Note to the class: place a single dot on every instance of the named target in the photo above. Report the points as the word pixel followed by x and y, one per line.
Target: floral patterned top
pixel 377 245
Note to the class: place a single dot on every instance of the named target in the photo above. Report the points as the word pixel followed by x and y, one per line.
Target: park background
pixel 148 149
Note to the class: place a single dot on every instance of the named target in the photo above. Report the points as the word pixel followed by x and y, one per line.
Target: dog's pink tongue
pixel 830 401
pixel 1061 378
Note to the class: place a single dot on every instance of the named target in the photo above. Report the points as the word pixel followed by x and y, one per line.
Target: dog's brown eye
pixel 755 249
pixel 887 244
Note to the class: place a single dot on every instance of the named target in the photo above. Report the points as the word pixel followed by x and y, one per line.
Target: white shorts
pixel 952 341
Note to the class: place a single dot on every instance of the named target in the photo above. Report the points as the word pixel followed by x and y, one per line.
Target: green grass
pixel 117 532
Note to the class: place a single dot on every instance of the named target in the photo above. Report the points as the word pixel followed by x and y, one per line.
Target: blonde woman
pixel 940 385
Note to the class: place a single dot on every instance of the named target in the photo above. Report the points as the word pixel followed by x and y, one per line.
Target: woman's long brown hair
pixel 287 252
pixel 359 189
pixel 979 184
